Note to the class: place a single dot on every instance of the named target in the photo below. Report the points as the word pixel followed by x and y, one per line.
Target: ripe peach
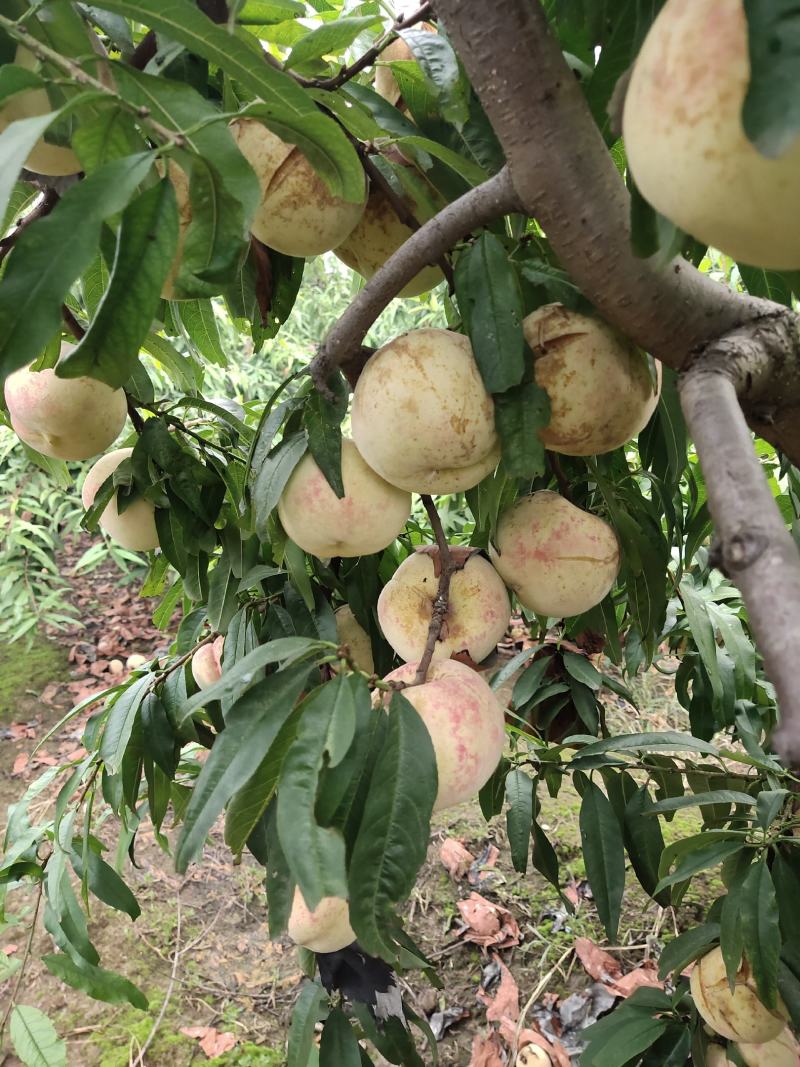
pixel 477 615
pixel 466 724
pixel 740 1016
pixel 600 387
pixel 421 415
pixel 298 215
pixel 325 929
pixel 558 559
pixel 367 519
pixel 378 234
pixel 66 418
pixel 686 144
pixel 207 663
pixel 533 1056
pixel 351 633
pixel 784 1051
pixel 135 528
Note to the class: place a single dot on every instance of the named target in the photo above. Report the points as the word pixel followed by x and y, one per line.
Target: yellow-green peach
pixel 135 528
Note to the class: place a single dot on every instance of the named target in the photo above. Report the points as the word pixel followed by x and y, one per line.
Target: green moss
pixel 25 671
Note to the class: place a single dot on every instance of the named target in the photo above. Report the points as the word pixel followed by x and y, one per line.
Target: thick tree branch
pixel 565 176
pixel 496 197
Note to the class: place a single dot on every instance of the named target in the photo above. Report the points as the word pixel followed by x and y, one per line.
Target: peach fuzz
pixel 135 528
pixel 477 614
pixel 421 415
pixel 558 559
pixel 207 663
pixel 325 929
pixel 466 723
pixel 367 519
pixel 686 144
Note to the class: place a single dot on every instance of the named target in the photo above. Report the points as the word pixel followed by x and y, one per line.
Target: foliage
pixel 327 794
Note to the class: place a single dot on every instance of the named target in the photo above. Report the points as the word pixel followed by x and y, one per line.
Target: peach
pixel 367 519
pixel 298 215
pixel 686 144
pixel 350 632
pixel 739 1015
pixel 325 929
pixel 207 663
pixel 716 1056
pixel 466 723
pixel 783 1051
pixel 385 83
pixel 66 418
pixel 478 608
pixel 421 415
pixel 135 528
pixel 600 386
pixel 558 559
pixel 533 1056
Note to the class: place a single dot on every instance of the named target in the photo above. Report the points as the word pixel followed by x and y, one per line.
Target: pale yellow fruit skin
pixel 65 418
pixel 378 234
pixel 135 528
pixel 350 632
pixel 717 1057
pixel 558 559
pixel 325 929
pixel 385 82
pixel 477 615
pixel 740 1016
pixel 533 1056
pixel 207 663
pixel 599 384
pixel 421 415
pixel 49 159
pixel 367 519
pixel 784 1051
pixel 687 147
pixel 297 215
pixel 466 724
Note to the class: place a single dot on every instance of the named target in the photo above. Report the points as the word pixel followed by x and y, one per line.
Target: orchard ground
pixel 229 976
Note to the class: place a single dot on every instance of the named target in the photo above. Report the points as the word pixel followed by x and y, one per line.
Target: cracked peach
pixel 135 527
pixel 783 1051
pixel 558 559
pixel 739 1015
pixel 325 929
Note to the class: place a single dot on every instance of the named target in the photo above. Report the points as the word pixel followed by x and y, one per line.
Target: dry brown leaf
pixel 487 1052
pixel 455 857
pixel 20 763
pixel 646 975
pixel 598 964
pixel 212 1041
pixel 505 1003
pixel 480 874
pixel 489 924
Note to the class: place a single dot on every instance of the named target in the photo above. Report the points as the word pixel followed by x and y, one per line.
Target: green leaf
pixel 603 851
pixel 311 1007
pixel 459 164
pixel 618 1039
pixel 731 937
pixel 145 248
pixel 659 740
pixel 582 670
pixel 289 111
pixel 699 859
pixel 761 932
pixel 106 884
pixel 322 423
pixel 200 326
pixel 100 984
pixel 16 142
pixel 769 804
pixel 51 255
pixel 35 1039
pixel 338 1046
pixel 251 726
pixel 330 39
pixel 519 415
pixel 439 64
pixel 644 842
pixel 490 301
pixel 771 284
pixel 771 112
pixel 280 884
pixel 544 855
pixel 713 796
pixel 273 476
pixel 393 836
pixel 265 12
pixel 519 816
pixel 120 721
pixel 686 947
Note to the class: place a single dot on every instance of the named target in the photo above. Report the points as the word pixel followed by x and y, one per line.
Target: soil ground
pixel 200 949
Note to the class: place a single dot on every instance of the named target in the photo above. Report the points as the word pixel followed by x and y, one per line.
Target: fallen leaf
pixel 455 857
pixel 598 964
pixel 9 950
pixel 479 871
pixel 488 924
pixel 20 763
pixel 212 1042
pixel 487 1052
pixel 646 975
pixel 505 1002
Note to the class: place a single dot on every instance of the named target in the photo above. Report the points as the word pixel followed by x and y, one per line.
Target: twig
pixel 25 957
pixel 369 57
pixel 133 414
pixel 45 205
pixel 492 199
pixel 72 323
pixel 441 602
pixel 139 1061
pixel 558 473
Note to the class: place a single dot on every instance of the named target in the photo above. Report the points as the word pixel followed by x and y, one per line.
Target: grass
pixel 25 671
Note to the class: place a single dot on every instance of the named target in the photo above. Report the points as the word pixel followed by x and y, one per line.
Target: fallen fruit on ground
pixel 325 929
pixel 783 1051
pixel 207 663
pixel 65 418
pixel 466 724
pixel 421 415
pixel 350 632
pixel 298 215
pixel 367 518
pixel 135 527
pixel 600 385
pixel 686 144
pixel 558 559
pixel 378 234
pixel 739 1015
pixel 533 1056
pixel 478 609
